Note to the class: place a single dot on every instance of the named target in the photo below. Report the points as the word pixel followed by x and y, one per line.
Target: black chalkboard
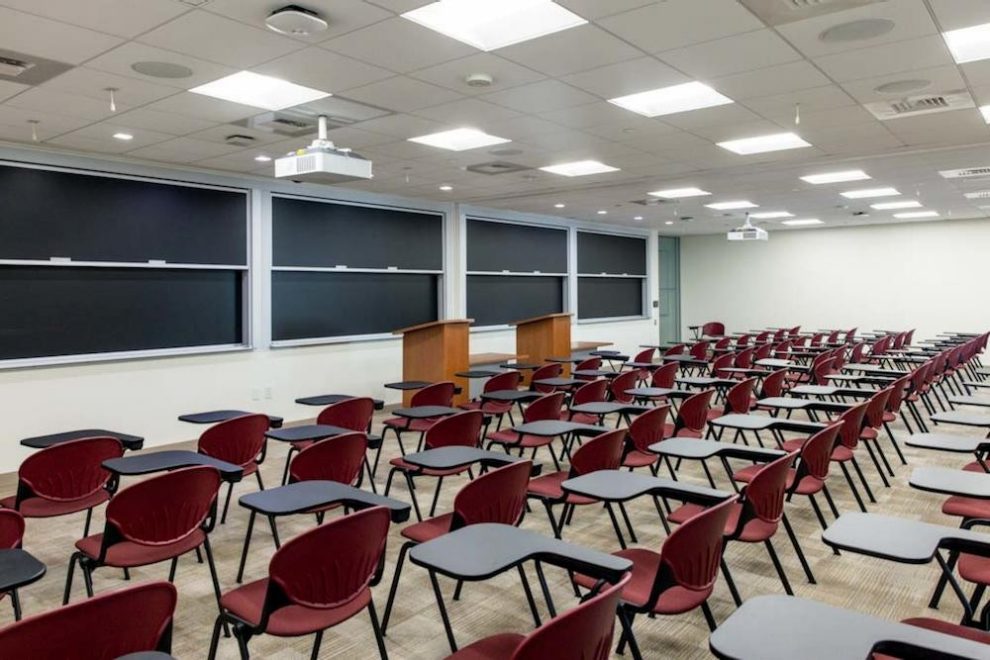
pixel 61 310
pixel 498 246
pixel 309 305
pixel 324 234
pixel 608 253
pixel 85 217
pixel 608 297
pixel 501 299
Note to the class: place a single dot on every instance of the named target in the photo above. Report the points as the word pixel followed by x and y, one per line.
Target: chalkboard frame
pixel 585 276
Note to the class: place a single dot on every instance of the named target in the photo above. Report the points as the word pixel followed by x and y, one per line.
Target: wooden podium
pixel 544 336
pixel 435 352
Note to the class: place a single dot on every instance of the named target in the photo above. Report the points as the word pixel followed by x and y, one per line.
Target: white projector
pixel 321 162
pixel 748 233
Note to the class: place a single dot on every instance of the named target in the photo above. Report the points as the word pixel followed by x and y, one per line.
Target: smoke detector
pixel 479 80
pixel 295 21
pixel 238 140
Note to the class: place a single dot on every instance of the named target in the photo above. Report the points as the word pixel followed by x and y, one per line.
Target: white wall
pixel 145 396
pixel 931 276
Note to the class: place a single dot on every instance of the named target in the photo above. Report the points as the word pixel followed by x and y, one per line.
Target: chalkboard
pixel 608 253
pixel 61 310
pixel 498 246
pixel 85 217
pixel 308 305
pixel 324 234
pixel 501 299
pixel 608 297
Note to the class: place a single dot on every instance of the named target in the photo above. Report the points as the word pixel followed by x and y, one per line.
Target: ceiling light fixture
pixel 669 222
pixel 864 193
pixel 764 143
pixel 917 214
pixel 579 168
pixel 771 215
pixel 731 206
pixel 969 44
pixel 679 193
pixel 491 25
pixel 559 206
pixel 637 217
pixel 673 99
pixel 603 212
pixel 890 206
pixel 446 187
pixel 803 222
pixel 985 109
pixel 262 158
pixel 254 89
pixel 123 136
pixel 836 177
pixel 162 69
pixel 459 139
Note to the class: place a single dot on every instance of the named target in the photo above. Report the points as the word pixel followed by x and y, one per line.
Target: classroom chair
pixel 240 441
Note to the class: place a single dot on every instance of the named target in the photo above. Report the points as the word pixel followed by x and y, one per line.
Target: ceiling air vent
pixel 12 68
pixel 913 106
pixel 979 194
pixel 966 173
pixel 651 201
pixel 497 167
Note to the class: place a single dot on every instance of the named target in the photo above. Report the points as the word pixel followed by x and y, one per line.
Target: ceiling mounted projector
pixel 322 162
pixel 295 21
pixel 748 232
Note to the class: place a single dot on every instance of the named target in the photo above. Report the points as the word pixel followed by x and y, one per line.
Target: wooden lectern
pixel 435 352
pixel 544 336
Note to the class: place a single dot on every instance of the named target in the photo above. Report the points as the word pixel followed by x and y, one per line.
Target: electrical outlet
pixel 268 393
pixel 256 394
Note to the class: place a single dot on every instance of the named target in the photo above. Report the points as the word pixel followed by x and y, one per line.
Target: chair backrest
pixel 497 496
pixel 763 496
pixel 329 565
pixel 591 392
pixel 856 355
pixel 583 632
pixel 646 355
pixel 699 350
pixel 820 370
pixel 851 335
pixel 337 459
pixel 876 407
pixel 782 350
pixel 437 394
pixel 354 414
pixel 693 414
pixel 546 407
pixel 647 428
pixel 763 351
pixel 742 341
pixel 691 554
pixel 238 441
pixel 664 376
pixel 591 364
pixel 70 470
pixel 773 384
pixel 762 337
pixel 833 337
pixel 799 341
pixel 794 332
pixel 852 424
pixel 723 361
pixel 838 359
pixel 603 452
pixel 625 381
pixel 898 390
pixel 551 370
pixel 816 339
pixel 739 398
pixel 676 349
pixel 164 508
pixel 108 625
pixel 816 453
pixel 11 529
pixel 713 328
pixel 779 335
pixel 507 380
pixel 722 344
pixel 462 429
pixel 744 359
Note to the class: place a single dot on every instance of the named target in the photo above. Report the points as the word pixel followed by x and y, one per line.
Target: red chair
pixel 722 345
pixel 316 581
pixel 738 400
pixel 592 392
pixel 437 394
pixel 11 537
pixel 774 384
pixel 870 433
pixel 894 410
pixel 699 351
pixel 552 370
pixel 64 478
pixel 603 452
pixel 713 329
pixel 354 414
pixel 692 418
pixel 720 364
pixel 679 578
pixel 645 430
pixel 646 357
pixel 676 349
pixel 584 632
pixel 944 627
pixel 240 441
pixel 463 430
pixel 507 380
pixel 498 496
pixel 114 624
pixel 545 408
pixel 591 364
pixel 755 517
pixel 624 381
pixel 664 376
pixel 160 518
pixel 340 458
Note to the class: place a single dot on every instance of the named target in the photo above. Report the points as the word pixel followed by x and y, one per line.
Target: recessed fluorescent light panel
pixel 771 215
pixel 865 193
pixel 985 109
pixel 969 44
pixel 679 193
pixel 580 168
pixel 668 100
pixel 836 177
pixel 459 139
pixel 731 206
pixel 123 136
pixel 890 206
pixel 491 24
pixel 803 222
pixel 765 143
pixel 260 91
pixel 917 214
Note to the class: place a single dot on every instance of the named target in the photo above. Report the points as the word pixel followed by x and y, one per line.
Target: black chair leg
pixel 15 601
pixel 780 569
pixel 215 639
pixel 709 617
pixel 216 581
pixel 862 478
pixel 436 496
pixel 68 577
pixel 730 583
pixel 171 569
pixel 798 551
pixel 89 518
pixel 379 635
pixel 395 586
pixel 226 502
pixel 315 654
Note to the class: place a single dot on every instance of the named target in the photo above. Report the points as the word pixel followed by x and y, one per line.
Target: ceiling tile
pixel 401 126
pixel 343 16
pixel 218 39
pixel 942 79
pixel 93 84
pixel 722 114
pixel 400 6
pixel 593 9
pixel 242 161
pixel 204 107
pixel 182 150
pixel 540 96
pixel 16 120
pixel 676 23
pixel 591 114
pixel 467 112
pixel 219 134
pixel 569 51
pixel 401 94
pixel 34 35
pixel 451 74
pixel 165 122
pixel 70 105
pixel 124 18
pixel 816 98
pixel 882 60
pixel 955 14
pixel 742 52
pixel 398 45
pixel 323 70
pixel 8 89
pixel 771 80
pixel 977 73
pixel 638 75
pixel 99 137
pixel 524 127
pixel 120 59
